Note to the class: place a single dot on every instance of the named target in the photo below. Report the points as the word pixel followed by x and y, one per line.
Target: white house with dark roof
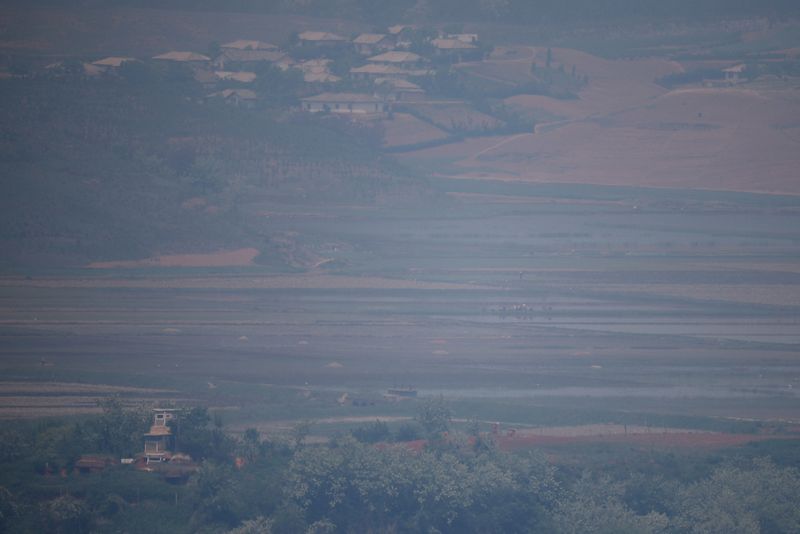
pixel 347 103
pixel 471 38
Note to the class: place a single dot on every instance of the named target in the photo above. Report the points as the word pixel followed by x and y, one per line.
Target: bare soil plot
pixel 725 139
pixel 769 294
pixel 270 427
pixel 626 130
pixel 455 117
pixel 405 129
pixel 555 313
pixel 669 440
pixel 288 281
pixel 66 388
pixel 55 399
pixel 233 258
pixel 614 85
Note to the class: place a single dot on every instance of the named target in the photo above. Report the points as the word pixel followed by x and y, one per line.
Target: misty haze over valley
pixel 360 266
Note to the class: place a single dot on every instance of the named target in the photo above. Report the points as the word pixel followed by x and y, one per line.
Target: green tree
pixel 760 497
pixel 300 433
pixel 8 509
pixel 408 432
pixel 118 430
pixel 259 525
pixel 361 488
pixel 66 514
pixel 279 88
pixel 194 437
pixel 372 432
pixel 595 505
pixel 215 495
pixel 434 417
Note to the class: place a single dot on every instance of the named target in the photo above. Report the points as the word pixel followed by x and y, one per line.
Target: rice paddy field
pixel 531 306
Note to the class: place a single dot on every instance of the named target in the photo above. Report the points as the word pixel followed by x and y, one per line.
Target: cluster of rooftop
pixel 389 71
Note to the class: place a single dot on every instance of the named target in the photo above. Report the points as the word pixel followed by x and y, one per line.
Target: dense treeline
pixel 101 168
pixel 518 11
pixel 457 482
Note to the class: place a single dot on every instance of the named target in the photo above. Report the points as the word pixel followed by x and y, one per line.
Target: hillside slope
pixel 106 170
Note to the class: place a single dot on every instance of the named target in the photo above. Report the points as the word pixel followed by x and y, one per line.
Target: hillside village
pixel 363 74
pixel 424 73
pixel 421 86
pixel 216 132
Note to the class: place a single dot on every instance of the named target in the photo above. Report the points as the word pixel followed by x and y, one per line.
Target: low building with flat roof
pixel 348 103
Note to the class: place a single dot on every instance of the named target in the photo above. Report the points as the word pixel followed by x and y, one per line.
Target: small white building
pixel 733 75
pixel 348 103
pixel 470 38
pixel 235 76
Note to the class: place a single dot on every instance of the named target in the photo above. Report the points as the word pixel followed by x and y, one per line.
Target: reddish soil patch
pixel 683 440
pixel 278 281
pixel 232 258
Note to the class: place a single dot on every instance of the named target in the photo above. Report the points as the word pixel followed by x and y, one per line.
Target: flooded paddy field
pixel 618 310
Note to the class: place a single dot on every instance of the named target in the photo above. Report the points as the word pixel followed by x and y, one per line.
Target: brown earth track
pixel 680 440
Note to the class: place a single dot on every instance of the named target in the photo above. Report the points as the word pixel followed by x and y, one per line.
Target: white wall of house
pixel 344 107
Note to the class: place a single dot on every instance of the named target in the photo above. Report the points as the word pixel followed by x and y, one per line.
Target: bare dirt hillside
pixel 624 129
